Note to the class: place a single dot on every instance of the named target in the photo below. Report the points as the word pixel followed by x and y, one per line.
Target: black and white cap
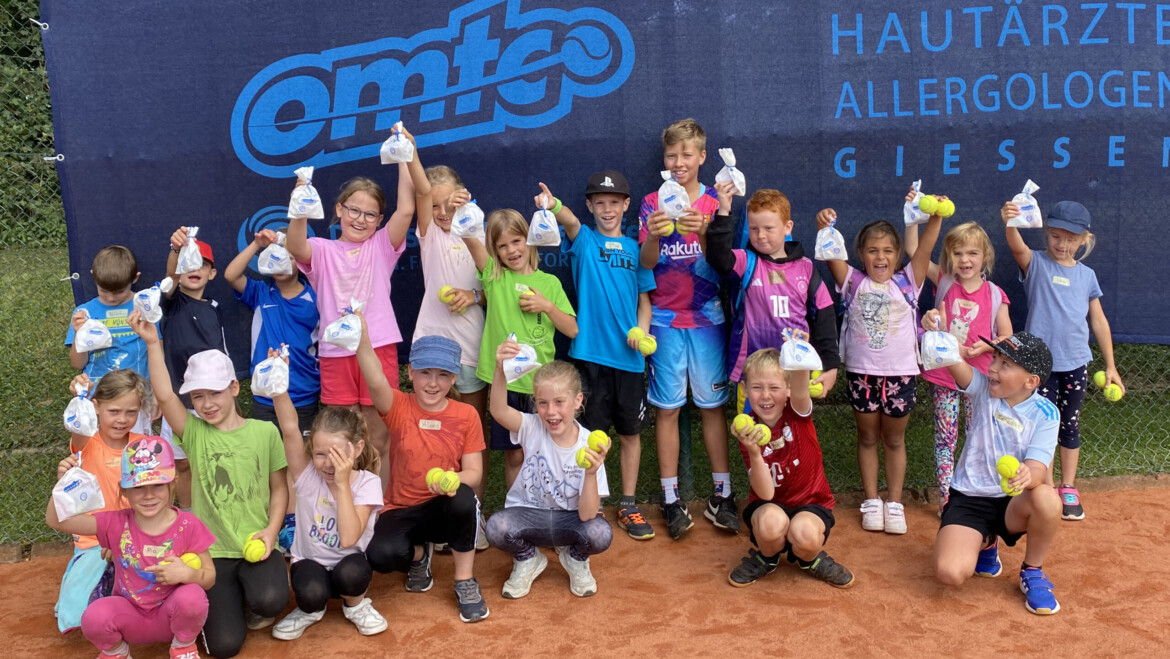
pixel 1027 350
pixel 607 181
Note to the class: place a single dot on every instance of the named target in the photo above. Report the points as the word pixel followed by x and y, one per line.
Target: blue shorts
pixel 696 355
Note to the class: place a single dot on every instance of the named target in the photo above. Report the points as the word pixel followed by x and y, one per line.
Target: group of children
pixel 375 479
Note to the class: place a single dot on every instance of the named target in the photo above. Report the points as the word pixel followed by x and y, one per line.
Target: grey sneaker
pixel 472 607
pixel 581 581
pixel 830 571
pixel 294 624
pixel 481 540
pixel 256 621
pixel 418 579
pixel 523 574
pixel 753 568
pixel 365 617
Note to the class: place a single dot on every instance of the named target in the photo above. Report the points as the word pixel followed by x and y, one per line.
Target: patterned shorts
pixel 892 395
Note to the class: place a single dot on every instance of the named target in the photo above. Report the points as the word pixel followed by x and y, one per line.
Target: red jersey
pixel 798 469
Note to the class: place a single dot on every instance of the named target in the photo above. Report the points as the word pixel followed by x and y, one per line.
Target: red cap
pixel 205 250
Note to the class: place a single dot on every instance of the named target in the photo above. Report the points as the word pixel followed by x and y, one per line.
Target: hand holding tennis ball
pixel 583 460
pixel 928 204
pixel 1099 379
pixel 254 550
pixel 434 475
pixel 598 441
pixel 446 294
pixel 765 434
pixel 946 208
pixel 815 389
pixel 1113 393
pixel 647 345
pixel 741 424
pixel 449 482
pixel 1007 466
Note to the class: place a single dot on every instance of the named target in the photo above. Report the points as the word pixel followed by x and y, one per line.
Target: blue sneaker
pixel 1037 589
pixel 988 564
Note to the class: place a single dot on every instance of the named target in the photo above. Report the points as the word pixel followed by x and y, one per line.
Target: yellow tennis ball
pixel 598 440
pixel 583 460
pixel 681 230
pixel 767 438
pixel 254 550
pixel 928 204
pixel 434 475
pixel 446 294
pixel 1007 466
pixel 635 334
pixel 192 560
pixel 449 481
pixel 647 345
pixel 946 208
pixel 1007 487
pixel 815 374
pixel 741 423
pixel 667 231
pixel 1099 379
pixel 1113 393
pixel 529 292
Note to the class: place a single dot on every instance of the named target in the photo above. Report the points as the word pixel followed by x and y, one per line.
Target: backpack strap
pixel 996 302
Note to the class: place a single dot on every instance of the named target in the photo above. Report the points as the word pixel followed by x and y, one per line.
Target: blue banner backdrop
pixel 170 114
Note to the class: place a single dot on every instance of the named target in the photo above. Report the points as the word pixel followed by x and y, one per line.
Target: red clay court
pixel 665 598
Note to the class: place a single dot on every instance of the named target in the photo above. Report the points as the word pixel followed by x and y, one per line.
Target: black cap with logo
pixel 1027 350
pixel 607 181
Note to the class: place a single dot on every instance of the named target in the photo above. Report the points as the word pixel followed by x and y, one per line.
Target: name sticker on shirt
pixel 154 551
pixel 324 502
pixel 430 424
pixel 1061 281
pixel 522 288
pixel 354 252
pixel 1008 421
pixel 612 244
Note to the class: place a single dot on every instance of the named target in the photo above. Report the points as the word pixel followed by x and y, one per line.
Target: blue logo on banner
pixel 269 217
pixel 512 69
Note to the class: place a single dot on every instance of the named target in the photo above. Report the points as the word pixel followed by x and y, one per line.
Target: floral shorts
pixel 892 395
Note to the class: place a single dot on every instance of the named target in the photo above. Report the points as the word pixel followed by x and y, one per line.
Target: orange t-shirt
pixel 99 459
pixel 421 440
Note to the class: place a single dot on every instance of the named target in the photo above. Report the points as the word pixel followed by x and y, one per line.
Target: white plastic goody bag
pixel 190 259
pixel 522 364
pixel 730 173
pixel 798 355
pixel 830 244
pixel 92 335
pixel 346 331
pixel 1030 216
pixel 672 197
pixel 305 202
pixel 77 492
pixel 271 375
pixel 275 259
pixel 938 349
pixel 467 221
pixel 543 230
pixel 80 416
pixel 396 148
pixel 910 210
pixel 148 302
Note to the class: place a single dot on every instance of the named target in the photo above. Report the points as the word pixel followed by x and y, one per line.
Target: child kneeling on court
pixel 790 508
pixel 1009 418
pixel 554 501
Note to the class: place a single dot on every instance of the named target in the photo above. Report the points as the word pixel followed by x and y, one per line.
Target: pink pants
pixel 111 620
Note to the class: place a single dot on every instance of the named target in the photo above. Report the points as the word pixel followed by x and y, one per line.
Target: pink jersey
pixel 687 295
pixel 968 317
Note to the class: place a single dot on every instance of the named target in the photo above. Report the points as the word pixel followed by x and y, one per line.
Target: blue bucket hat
pixel 1070 216
pixel 435 352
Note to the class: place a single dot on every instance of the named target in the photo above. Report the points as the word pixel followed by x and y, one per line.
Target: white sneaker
pixel 365 617
pixel 895 518
pixel 523 574
pixel 481 540
pixel 871 515
pixel 581 581
pixel 295 624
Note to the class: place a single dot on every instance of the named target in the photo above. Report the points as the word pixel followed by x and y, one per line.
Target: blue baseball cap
pixel 1070 216
pixel 435 352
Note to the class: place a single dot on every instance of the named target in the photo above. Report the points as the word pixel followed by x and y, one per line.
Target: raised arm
pixel 82 381
pixel 423 203
pixel 839 269
pixel 399 222
pixel 168 401
pixel 503 414
pixel 77 360
pixel 297 237
pixel 565 217
pixel 910 242
pixel 478 252
pixel 1015 241
pixel 235 272
pixel 381 393
pixel 178 239
pixel 920 261
pixel 76 525
pixel 290 433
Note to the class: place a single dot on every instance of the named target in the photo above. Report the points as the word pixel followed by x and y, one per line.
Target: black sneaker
pixel 723 513
pixel 418 579
pixel 830 571
pixel 678 518
pixel 472 608
pixel 753 567
pixel 634 522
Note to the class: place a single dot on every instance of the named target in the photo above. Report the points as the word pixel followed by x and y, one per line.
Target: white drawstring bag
pixel 346 331
pixel 77 492
pixel 92 335
pixel 397 148
pixel 543 230
pixel 271 375
pixel 305 202
pixel 190 258
pixel 1030 216
pixel 938 349
pixel 830 244
pixel 672 197
pixel 797 354
pixel 148 302
pixel 910 210
pixel 80 416
pixel 522 364
pixel 467 222
pixel 730 173
pixel 275 259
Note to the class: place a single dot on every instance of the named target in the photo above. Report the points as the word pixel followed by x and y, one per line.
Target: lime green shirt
pixel 229 478
pixel 504 317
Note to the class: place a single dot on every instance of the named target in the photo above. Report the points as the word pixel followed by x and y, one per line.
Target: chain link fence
pixel 1130 436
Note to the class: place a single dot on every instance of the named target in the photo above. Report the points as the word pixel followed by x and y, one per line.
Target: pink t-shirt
pixel 968 317
pixel 342 270
pixel 881 329
pixel 134 551
pixel 317 538
pixel 446 262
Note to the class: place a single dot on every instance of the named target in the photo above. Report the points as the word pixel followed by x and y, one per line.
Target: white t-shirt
pixel 317 538
pixel 880 331
pixel 549 478
pixel 446 262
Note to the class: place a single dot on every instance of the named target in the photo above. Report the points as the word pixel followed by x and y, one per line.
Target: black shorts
pixel 500 439
pixel 892 395
pixel 824 513
pixel 612 397
pixel 984 514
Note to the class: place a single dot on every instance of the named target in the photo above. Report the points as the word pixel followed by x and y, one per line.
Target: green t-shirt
pixel 504 317
pixel 229 478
